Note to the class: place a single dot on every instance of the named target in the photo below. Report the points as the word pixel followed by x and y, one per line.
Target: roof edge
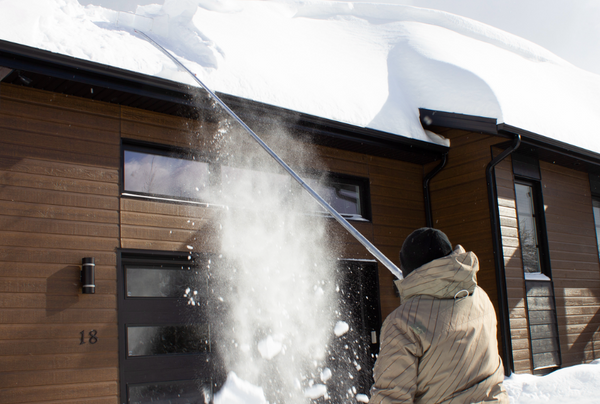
pixel 336 134
pixel 473 123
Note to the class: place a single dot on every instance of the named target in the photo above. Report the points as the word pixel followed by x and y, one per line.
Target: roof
pixel 366 65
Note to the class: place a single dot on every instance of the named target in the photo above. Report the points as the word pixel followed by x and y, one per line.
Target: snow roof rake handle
pixel 355 233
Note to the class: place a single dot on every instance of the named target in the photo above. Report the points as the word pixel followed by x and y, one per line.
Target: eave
pixel 44 70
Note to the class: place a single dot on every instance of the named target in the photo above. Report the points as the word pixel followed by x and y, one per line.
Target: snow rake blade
pixel 339 218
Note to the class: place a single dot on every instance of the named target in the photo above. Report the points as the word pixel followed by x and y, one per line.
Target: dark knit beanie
pixel 422 246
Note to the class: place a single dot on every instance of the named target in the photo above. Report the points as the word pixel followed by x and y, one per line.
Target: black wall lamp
pixel 88 275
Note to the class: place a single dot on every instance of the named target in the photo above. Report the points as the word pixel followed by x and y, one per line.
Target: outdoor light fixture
pixel 24 79
pixel 88 275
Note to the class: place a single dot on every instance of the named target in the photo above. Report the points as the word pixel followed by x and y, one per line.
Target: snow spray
pixel 276 280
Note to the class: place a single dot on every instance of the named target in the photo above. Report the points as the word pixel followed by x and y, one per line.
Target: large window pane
pixel 164 282
pixel 167 176
pixel 596 207
pixel 343 197
pixel 175 392
pixel 527 228
pixel 170 339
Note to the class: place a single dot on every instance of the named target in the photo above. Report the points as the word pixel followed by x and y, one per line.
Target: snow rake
pixel 339 218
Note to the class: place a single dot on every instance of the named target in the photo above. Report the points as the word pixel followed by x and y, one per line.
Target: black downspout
pixel 503 315
pixel 426 194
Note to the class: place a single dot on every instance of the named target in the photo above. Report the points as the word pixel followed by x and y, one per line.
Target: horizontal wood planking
pixel 59 392
pixel 45 378
pixel 59 177
pixel 49 301
pixel 460 203
pixel 574 258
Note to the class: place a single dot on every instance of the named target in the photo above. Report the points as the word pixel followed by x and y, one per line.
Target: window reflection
pixel 161 175
pixel 170 339
pixel 164 282
pixel 596 207
pixel 527 228
pixel 175 392
pixel 344 198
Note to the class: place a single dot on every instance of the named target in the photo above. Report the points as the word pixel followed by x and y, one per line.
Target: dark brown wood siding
pixel 459 200
pixel 59 198
pixel 574 261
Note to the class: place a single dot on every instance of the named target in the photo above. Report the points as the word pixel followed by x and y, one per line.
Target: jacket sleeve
pixel 395 371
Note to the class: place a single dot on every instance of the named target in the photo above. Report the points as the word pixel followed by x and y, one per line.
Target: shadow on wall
pixel 62 290
pixel 587 336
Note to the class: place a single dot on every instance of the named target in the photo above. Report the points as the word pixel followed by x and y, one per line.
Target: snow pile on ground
pixel 576 384
pixel 367 64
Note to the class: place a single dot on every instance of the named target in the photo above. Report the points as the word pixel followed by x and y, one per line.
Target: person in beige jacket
pixel 439 345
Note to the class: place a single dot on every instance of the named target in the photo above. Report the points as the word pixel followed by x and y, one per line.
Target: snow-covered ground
pixel 367 64
pixel 577 384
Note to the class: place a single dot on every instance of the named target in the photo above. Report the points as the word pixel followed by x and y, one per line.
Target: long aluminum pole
pixel 355 233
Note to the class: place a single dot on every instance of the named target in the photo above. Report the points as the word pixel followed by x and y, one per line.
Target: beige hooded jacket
pixel 440 345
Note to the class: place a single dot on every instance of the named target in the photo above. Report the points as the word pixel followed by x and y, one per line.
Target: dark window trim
pixel 545 265
pixel 192 155
pixel 139 311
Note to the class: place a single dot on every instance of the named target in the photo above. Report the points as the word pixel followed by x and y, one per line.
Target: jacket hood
pixel 442 278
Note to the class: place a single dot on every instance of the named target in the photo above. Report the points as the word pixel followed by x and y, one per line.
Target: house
pixel 70 130
pixel 528 206
pixel 73 133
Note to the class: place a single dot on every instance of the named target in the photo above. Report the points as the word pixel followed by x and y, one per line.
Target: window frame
pixel 158 311
pixel 363 183
pixel 535 282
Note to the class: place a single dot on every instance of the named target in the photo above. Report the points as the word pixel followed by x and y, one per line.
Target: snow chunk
pixel 341 328
pixel 362 398
pixel 316 391
pixel 238 391
pixel 270 347
pixel 326 375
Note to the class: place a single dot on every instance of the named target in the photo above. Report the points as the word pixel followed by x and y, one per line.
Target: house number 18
pixel 92 339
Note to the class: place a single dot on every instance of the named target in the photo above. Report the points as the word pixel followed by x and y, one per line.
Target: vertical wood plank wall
pixel 59 160
pixel 574 260
pixel 60 202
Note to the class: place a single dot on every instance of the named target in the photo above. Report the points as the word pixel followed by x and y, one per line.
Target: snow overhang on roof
pixel 39 69
pixel 366 65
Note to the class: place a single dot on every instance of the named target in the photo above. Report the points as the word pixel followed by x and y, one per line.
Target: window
pixel 165 352
pixel 596 208
pixel 541 307
pixel 157 172
pixel 160 175
pixel 528 233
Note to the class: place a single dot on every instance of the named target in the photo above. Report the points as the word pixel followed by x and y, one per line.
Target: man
pixel 440 345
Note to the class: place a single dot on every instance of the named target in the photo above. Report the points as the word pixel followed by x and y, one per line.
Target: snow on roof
pixel 366 64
